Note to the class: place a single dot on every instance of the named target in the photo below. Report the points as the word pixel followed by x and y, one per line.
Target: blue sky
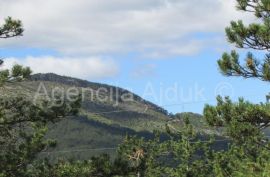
pixel 163 50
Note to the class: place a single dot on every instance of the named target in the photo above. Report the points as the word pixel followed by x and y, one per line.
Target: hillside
pixel 107 115
pixel 101 124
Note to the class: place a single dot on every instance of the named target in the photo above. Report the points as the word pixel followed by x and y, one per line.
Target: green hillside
pixel 101 124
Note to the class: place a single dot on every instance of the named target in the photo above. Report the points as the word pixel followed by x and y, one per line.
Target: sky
pixel 163 50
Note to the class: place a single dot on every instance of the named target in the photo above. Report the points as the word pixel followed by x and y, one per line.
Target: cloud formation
pixel 84 68
pixel 101 27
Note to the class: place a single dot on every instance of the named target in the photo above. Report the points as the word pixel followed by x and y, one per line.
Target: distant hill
pixel 106 117
pixel 195 119
pixel 102 123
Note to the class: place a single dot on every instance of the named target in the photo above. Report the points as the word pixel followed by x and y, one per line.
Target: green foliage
pixel 229 114
pixel 255 36
pixel 11 28
pixel 244 122
pixel 101 166
pixel 183 154
pixel 22 132
pixel 17 73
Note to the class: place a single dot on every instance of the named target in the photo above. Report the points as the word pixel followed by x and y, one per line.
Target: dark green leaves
pixel 229 65
pixel 11 28
pixel 255 36
pixel 17 73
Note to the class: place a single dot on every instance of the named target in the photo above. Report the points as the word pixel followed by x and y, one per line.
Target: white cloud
pixel 84 68
pixel 90 27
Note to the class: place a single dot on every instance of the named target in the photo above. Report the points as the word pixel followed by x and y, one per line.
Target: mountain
pixel 105 103
pixel 107 115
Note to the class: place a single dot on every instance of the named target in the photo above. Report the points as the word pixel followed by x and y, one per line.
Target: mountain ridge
pixel 100 124
pixel 51 77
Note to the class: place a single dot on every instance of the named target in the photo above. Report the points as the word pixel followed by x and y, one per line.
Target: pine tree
pixel 244 117
pixel 243 121
pixel 255 36
pixel 11 28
